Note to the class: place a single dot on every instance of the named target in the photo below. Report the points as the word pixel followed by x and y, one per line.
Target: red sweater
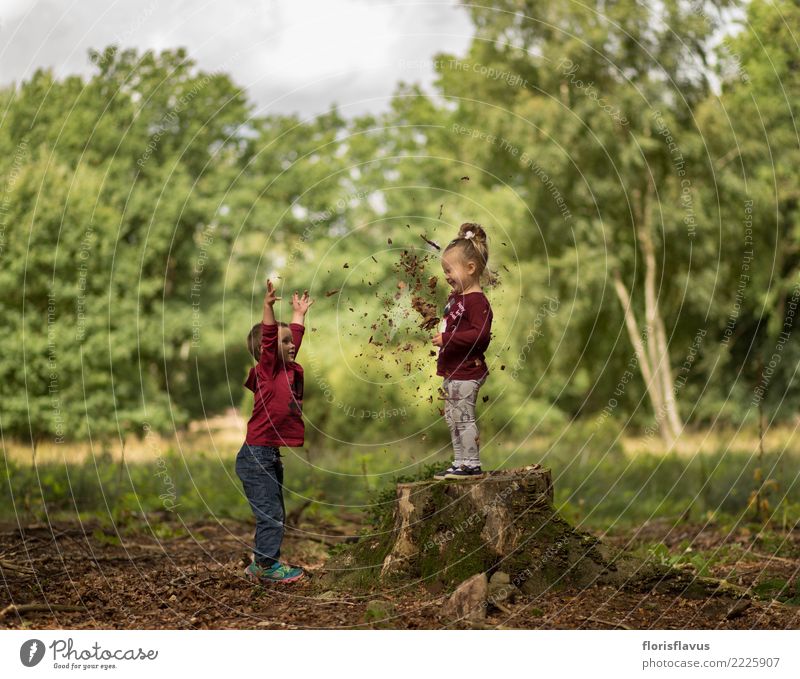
pixel 468 320
pixel 278 403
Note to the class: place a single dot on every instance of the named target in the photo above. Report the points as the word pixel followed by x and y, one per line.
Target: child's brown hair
pixel 254 340
pixel 473 245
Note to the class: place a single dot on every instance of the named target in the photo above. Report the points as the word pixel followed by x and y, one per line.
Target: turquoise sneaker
pixel 280 572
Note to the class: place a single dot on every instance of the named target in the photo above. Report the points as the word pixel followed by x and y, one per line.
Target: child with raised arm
pixel 277 384
pixel 466 334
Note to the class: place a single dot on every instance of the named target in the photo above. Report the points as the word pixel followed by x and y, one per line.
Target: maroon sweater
pixel 278 403
pixel 467 333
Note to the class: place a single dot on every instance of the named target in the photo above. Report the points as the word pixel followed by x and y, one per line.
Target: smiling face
pixel 286 348
pixel 459 273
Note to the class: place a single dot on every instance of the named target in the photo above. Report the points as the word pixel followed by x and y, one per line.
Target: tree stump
pixel 442 532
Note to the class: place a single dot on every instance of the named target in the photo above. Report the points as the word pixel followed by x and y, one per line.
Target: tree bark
pixel 440 533
pixel 657 336
pixel 642 356
pixel 652 351
pixel 670 402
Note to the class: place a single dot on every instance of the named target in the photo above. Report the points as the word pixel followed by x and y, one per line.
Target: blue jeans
pixel 261 472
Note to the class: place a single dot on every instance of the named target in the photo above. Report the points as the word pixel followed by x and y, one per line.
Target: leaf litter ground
pixel 194 580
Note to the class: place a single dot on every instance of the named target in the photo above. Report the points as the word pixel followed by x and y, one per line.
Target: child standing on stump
pixel 277 420
pixel 467 331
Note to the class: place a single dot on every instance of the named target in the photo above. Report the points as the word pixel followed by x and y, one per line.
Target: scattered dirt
pixel 413 268
pixel 433 244
pixel 195 580
pixel 396 329
pixel 427 310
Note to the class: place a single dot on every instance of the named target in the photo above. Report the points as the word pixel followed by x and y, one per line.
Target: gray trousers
pixel 460 397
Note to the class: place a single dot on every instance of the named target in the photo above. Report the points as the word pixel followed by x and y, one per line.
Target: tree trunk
pixel 656 334
pixel 642 357
pixel 650 347
pixel 670 402
pixel 440 533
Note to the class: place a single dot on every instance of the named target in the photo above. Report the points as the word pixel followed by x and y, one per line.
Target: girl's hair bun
pixel 471 231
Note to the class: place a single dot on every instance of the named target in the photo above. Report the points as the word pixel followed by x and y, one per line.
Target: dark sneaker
pixel 439 476
pixel 280 572
pixel 464 472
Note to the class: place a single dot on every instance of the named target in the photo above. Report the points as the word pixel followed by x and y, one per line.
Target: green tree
pixel 587 112
pixel 758 141
pixel 114 201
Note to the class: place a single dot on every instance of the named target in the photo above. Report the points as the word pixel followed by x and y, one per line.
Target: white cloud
pixel 290 55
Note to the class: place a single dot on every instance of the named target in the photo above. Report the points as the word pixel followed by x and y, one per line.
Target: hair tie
pixel 469 234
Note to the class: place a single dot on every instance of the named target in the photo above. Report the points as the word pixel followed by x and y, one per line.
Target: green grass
pixel 601 491
pixel 700 561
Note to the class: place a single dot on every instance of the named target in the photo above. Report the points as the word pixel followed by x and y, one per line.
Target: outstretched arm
pixel 269 332
pixel 270 298
pixel 300 307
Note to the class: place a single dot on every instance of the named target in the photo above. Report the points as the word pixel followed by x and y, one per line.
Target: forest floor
pixel 86 576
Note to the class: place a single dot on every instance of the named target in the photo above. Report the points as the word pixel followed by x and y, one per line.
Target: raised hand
pixel 269 296
pixel 300 304
pixel 269 300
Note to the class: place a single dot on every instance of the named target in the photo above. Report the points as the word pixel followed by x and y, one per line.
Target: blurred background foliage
pixel 144 207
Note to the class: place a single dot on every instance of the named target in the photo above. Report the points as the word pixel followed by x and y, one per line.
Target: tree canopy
pixel 635 166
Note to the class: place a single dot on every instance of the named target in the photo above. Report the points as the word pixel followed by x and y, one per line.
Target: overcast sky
pixel 291 55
